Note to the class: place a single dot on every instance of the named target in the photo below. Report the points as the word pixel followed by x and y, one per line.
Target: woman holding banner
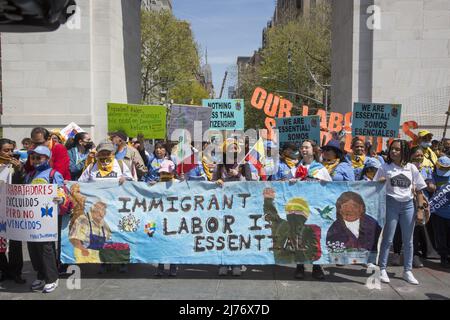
pixel 154 162
pixel 358 157
pixel 289 161
pixel 403 182
pixel 10 172
pixel 43 255
pixel 315 171
pixel 231 170
pixel 334 161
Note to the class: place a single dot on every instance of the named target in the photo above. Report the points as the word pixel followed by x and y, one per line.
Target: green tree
pixel 309 40
pixel 170 58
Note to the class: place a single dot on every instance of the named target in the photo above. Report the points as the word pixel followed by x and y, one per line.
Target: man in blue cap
pixel 43 254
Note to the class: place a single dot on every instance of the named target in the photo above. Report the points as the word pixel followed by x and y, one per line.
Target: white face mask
pixel 425 144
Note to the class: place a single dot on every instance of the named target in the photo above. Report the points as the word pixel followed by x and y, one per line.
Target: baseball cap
pixel 372 163
pixel 105 146
pixel 42 150
pixel 443 166
pixel 423 133
pixel 119 134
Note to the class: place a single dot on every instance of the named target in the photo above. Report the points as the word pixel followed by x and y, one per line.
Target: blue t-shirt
pixel 197 174
pixel 154 164
pixel 356 171
pixel 284 172
pixel 343 172
pixel 43 177
pixel 120 155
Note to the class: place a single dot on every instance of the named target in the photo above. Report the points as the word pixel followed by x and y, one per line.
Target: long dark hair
pixel 166 147
pixel 76 140
pixel 405 152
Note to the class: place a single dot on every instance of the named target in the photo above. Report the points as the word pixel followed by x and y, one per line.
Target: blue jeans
pixel 403 213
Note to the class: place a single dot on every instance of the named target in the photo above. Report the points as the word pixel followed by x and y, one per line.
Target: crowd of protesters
pixel 413 172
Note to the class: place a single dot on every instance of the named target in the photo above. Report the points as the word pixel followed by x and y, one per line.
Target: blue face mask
pixel 425 144
pixel 42 166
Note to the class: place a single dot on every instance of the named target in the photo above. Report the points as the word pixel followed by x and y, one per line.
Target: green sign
pixel 137 119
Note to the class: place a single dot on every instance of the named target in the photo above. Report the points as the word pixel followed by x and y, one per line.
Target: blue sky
pixel 227 28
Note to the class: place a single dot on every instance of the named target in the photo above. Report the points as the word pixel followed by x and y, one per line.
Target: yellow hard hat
pixel 424 133
pixel 298 204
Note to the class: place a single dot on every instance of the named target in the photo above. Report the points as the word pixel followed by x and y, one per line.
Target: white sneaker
pixel 50 287
pixel 409 277
pixel 37 285
pixel 384 277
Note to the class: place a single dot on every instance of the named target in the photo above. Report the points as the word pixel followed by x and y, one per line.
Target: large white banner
pixel 30 213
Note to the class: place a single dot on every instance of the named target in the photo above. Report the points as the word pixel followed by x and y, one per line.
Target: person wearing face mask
pixel 78 153
pixel 60 158
pixel 154 162
pixel 370 169
pixel 334 161
pixel 358 157
pixel 425 138
pixel 293 239
pixel 43 255
pixel 106 167
pixel 288 163
pixel 227 171
pixel 129 155
pixel 10 172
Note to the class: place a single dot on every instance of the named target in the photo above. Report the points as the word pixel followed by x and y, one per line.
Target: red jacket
pixel 59 161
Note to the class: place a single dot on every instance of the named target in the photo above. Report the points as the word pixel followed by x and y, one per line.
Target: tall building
pixel 395 52
pixel 69 75
pixel 286 10
pixel 157 5
pixel 206 77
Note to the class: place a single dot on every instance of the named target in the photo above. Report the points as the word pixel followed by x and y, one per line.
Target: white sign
pixel 71 130
pixel 31 215
pixel 2 210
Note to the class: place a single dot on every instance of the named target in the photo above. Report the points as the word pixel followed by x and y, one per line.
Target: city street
pixel 201 282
